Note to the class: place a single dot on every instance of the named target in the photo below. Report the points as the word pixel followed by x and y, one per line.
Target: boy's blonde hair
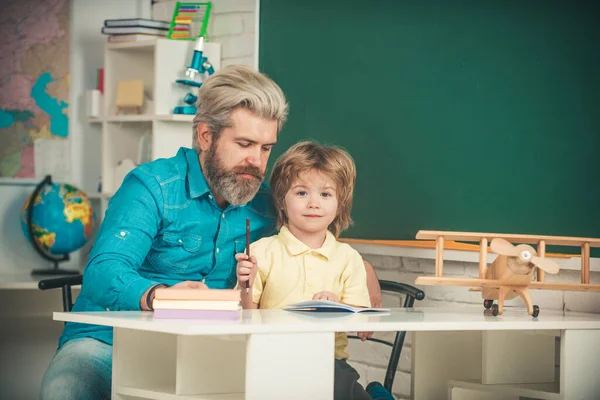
pixel 237 86
pixel 334 162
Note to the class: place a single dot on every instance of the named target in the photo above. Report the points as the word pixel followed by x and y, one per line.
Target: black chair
pixel 66 283
pixel 411 294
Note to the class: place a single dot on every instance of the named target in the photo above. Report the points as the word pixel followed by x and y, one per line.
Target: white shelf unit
pixel 471 389
pixel 158 63
pixel 170 371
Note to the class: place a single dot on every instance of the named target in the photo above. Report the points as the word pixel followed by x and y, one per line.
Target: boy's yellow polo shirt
pixel 289 272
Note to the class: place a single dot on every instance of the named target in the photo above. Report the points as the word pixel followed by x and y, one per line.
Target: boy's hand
pixel 246 269
pixel 364 335
pixel 326 296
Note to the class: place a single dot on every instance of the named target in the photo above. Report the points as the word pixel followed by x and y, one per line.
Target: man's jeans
pixel 81 369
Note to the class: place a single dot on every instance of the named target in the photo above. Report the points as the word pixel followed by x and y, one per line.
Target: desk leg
pixel 438 357
pixel 290 366
pixel 579 364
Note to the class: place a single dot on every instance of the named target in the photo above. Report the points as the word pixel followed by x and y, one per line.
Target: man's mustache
pixel 249 170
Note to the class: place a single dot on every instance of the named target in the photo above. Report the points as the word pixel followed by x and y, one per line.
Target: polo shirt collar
pixel 296 247
pixel 195 178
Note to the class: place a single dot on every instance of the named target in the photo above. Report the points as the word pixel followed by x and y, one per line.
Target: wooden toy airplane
pixel 511 273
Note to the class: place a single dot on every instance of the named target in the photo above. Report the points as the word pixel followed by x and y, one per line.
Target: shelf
pixel 142 118
pixel 146 45
pixel 542 391
pixel 98 196
pixel 167 392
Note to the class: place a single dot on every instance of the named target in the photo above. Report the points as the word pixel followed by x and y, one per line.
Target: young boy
pixel 312 188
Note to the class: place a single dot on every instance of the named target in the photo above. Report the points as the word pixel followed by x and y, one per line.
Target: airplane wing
pixel 575 287
pixel 432 280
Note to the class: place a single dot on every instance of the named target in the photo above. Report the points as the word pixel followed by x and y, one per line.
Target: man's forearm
pixel 373 285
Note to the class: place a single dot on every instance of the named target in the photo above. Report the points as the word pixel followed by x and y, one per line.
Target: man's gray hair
pixel 237 86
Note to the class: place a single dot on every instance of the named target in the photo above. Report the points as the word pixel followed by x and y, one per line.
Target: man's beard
pixel 236 191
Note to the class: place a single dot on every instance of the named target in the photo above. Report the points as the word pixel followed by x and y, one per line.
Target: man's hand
pixel 326 296
pixel 373 285
pixel 185 284
pixel 188 284
pixel 246 269
pixel 374 294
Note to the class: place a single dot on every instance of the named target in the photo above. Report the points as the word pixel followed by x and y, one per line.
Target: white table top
pixel 280 321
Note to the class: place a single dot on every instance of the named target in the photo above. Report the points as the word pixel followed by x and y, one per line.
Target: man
pixel 178 222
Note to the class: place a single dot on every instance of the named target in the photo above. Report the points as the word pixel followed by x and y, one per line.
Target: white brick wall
pixel 232 23
pixel 370 359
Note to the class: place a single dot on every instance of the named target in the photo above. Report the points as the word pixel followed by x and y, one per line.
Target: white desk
pixel 275 354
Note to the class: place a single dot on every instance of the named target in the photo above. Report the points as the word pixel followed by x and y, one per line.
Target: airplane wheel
pixel 495 310
pixel 488 304
pixel 536 311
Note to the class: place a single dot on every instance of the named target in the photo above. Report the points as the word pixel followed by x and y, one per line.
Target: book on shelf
pixel 197 294
pixel 132 38
pixel 148 23
pixel 331 306
pixel 131 30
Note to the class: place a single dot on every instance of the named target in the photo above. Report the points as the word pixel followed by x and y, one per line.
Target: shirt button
pixel 217 250
pixel 210 196
pixel 309 284
pixel 180 240
pixel 222 215
pixel 122 233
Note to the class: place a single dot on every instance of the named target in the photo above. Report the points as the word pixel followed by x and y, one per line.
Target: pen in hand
pixel 248 250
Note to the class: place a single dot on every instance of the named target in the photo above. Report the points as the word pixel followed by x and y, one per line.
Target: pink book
pixel 197 314
pixel 198 294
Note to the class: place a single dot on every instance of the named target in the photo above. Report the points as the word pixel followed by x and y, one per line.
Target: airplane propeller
pixel 524 253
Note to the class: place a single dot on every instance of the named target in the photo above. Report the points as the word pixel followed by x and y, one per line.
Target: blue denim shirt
pixel 164 226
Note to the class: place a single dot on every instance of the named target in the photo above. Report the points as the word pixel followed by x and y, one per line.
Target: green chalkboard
pixel 460 115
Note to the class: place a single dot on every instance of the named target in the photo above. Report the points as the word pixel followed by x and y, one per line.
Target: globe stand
pixel 45 255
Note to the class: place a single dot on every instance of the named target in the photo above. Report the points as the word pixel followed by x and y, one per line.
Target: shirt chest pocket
pixel 177 252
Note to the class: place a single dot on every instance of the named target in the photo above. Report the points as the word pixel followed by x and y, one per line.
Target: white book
pixel 327 305
pixel 195 305
pixel 117 30
pixel 150 23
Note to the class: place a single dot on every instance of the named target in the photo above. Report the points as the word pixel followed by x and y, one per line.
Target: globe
pixel 62 218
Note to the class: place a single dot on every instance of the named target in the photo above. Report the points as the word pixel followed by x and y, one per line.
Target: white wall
pixel 232 23
pixel 28 337
pixel 87 54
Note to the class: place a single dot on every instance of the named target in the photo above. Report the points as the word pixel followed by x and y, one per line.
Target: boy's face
pixel 235 164
pixel 311 203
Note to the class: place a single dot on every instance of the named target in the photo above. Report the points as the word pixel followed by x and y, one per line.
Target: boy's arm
pixel 355 292
pixel 373 285
pixel 251 300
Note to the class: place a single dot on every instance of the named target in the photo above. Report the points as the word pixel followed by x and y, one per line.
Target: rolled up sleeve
pixel 132 220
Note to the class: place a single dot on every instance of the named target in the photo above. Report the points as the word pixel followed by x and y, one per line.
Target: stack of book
pixel 134 29
pixel 187 303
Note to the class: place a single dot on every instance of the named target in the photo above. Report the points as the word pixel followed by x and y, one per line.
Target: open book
pixel 327 305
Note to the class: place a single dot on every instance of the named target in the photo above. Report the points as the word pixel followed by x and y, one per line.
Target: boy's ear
pixel 204 135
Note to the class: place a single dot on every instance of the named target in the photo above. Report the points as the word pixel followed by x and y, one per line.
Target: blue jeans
pixel 80 370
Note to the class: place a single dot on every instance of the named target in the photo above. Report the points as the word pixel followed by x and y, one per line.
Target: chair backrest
pixel 411 294
pixel 66 283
